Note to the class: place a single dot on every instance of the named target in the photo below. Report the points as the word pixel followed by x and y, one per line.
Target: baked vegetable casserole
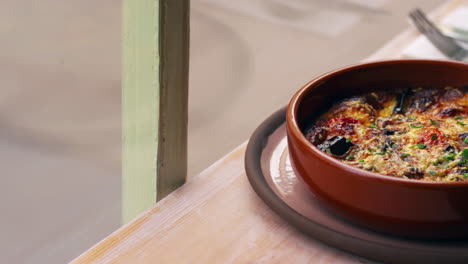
pixel 407 133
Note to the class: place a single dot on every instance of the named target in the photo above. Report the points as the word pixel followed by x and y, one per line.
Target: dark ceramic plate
pixel 272 177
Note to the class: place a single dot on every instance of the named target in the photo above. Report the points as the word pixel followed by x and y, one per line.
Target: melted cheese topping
pixel 427 141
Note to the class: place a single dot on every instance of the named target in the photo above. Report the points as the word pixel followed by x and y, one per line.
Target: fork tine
pixel 416 22
pixel 446 45
pixel 423 17
pixel 428 24
pixel 430 27
pixel 420 22
pixel 424 23
pixel 427 21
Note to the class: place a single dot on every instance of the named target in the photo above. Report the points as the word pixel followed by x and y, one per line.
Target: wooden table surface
pixel 216 217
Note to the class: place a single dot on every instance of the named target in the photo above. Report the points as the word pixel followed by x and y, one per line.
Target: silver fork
pixel 446 45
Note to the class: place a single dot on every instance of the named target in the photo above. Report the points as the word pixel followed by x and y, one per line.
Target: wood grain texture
pixel 217 218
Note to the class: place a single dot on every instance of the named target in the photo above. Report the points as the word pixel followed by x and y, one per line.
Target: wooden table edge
pixel 114 238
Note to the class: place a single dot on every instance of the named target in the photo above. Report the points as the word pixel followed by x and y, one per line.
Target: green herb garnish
pixel 465 174
pixel 461 123
pixel 421 146
pixel 465 153
pixel 417 126
pixel 412 118
pixel 433 173
pixel 361 161
pixel 405 154
pixel 434 137
pixel 434 122
pixel 459 117
pixel 348 140
pixel 450 156
pixel 466 140
pixel 371 150
pixel 350 157
pixel 372 125
pixel 380 153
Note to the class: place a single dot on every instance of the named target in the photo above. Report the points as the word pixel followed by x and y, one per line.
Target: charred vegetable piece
pixel 316 135
pixel 388 145
pixel 422 100
pixel 385 122
pixel 451 94
pixel 373 100
pixel 388 132
pixel 450 148
pixel 449 112
pixel 355 108
pixel 400 104
pixel 337 146
pixel 414 173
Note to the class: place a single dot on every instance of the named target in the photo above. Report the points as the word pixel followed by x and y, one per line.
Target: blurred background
pixel 60 105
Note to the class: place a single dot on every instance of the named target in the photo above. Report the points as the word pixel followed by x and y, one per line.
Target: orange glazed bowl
pixel 398 206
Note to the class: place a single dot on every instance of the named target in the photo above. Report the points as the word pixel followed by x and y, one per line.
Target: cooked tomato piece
pixel 431 136
pixel 342 125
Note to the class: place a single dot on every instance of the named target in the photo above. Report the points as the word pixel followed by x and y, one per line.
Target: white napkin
pixel 422 48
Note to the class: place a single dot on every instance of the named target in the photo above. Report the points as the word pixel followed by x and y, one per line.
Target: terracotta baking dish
pixel 409 208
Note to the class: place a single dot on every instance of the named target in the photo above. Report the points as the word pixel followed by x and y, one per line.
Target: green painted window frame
pixel 154 101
